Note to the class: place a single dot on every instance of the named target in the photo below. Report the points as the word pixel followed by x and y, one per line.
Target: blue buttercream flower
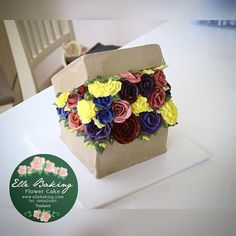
pixel 62 113
pixel 103 102
pixel 105 116
pixel 150 122
pixel 93 133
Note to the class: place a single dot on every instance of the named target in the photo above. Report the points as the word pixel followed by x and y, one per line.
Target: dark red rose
pixel 129 91
pixel 81 91
pixel 159 78
pixel 72 100
pixel 157 98
pixel 127 131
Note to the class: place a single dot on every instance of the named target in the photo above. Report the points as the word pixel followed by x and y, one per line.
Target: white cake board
pixel 94 193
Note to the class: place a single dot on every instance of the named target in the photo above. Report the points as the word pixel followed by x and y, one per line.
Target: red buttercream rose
pixel 72 100
pixel 81 91
pixel 127 131
pixel 157 98
pixel 75 122
pixel 159 78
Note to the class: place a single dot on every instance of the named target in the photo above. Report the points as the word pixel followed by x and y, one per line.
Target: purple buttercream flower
pixel 129 92
pixel 105 116
pixel 146 85
pixel 62 113
pixel 103 102
pixel 93 133
pixel 150 122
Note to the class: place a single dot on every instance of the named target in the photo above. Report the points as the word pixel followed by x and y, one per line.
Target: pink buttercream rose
pixel 132 78
pixel 22 170
pixel 37 214
pixel 37 163
pixel 63 172
pixel 49 167
pixel 122 111
pixel 75 122
pixel 45 217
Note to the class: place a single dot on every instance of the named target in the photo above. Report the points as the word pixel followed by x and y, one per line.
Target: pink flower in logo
pixel 63 172
pixel 49 167
pixel 45 217
pixel 37 163
pixel 22 170
pixel 55 172
pixel 37 214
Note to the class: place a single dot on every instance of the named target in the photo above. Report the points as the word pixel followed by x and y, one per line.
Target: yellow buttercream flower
pixel 169 112
pixel 148 71
pixel 62 99
pixel 86 110
pixel 140 105
pixel 98 89
pixel 98 123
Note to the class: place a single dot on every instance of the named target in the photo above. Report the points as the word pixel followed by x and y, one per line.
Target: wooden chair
pixel 6 94
pixel 37 47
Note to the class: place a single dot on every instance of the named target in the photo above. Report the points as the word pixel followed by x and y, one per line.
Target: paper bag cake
pixel 115 108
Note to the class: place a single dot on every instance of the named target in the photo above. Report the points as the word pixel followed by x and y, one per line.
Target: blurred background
pixel 32 51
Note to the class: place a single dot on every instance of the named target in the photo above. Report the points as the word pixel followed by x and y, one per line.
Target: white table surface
pixel 202 73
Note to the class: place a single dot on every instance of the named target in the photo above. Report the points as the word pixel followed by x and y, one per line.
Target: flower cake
pixel 116 118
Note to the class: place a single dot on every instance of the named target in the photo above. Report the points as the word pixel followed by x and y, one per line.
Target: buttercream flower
pixel 98 89
pixel 150 122
pixel 62 99
pixel 140 105
pixel 105 116
pixel 127 131
pixel 49 167
pixel 22 170
pixel 157 98
pixel 122 111
pixel 37 214
pixel 37 163
pixel 129 92
pixel 81 91
pixel 45 217
pixel 132 78
pixel 169 112
pixel 93 133
pixel 168 90
pixel 103 102
pixel 72 100
pixel 146 85
pixel 86 110
pixel 75 122
pixel 62 112
pixel 159 78
pixel 63 172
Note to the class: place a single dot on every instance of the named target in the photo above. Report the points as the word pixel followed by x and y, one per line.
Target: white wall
pixel 118 32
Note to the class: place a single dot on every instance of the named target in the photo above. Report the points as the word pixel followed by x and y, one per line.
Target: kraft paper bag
pixel 117 156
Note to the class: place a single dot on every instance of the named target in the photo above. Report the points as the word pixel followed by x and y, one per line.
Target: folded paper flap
pixel 107 64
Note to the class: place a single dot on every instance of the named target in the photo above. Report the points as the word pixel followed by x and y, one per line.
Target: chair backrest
pixel 42 37
pixel 32 41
